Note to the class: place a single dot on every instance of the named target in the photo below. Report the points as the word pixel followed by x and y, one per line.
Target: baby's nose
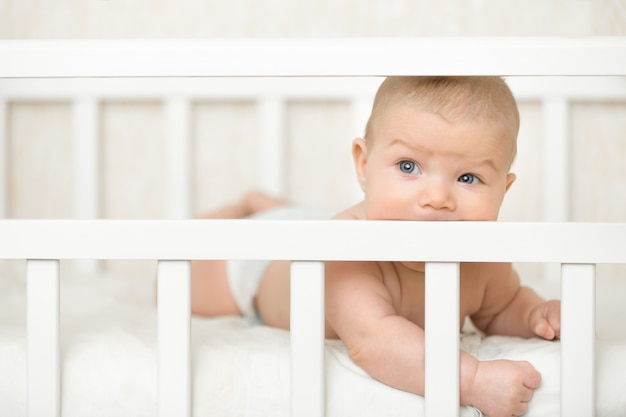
pixel 437 196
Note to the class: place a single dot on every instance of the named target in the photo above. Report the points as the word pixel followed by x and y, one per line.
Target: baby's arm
pixel 514 310
pixel 391 348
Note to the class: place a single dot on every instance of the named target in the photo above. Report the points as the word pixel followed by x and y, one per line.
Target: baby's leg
pixel 210 291
pixel 253 202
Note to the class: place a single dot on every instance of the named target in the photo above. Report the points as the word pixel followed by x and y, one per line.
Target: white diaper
pixel 244 276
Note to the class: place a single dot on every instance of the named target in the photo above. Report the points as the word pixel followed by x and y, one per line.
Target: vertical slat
pixel 555 154
pixel 272 145
pixel 178 196
pixel 86 159
pixel 307 339
pixel 174 331
pixel 4 160
pixel 578 335
pixel 43 338
pixel 555 162
pixel 442 291
pixel 86 167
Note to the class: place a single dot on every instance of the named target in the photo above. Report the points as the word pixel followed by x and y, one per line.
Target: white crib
pixel 578 247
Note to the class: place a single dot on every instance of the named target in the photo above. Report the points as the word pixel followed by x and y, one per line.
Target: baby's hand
pixel 545 320
pixel 503 387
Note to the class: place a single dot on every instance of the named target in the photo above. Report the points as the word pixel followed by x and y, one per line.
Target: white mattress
pixel 109 360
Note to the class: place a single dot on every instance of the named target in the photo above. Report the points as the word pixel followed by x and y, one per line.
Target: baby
pixel 435 148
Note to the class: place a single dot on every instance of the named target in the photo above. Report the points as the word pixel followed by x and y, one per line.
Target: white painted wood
pixel 86 166
pixel 42 308
pixel 535 88
pixel 313 57
pixel 556 157
pixel 4 161
pixel 555 154
pixel 311 240
pixel 442 296
pixel 578 296
pixel 272 152
pixel 174 332
pixel 307 339
pixel 221 88
pixel 179 167
pixel 85 145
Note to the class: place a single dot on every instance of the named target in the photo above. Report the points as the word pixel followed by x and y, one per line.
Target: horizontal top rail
pixel 228 88
pixel 312 88
pixel 313 57
pixel 314 240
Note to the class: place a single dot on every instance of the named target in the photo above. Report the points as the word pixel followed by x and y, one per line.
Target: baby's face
pixel 419 166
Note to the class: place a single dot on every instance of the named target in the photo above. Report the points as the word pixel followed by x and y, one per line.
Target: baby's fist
pixel 545 320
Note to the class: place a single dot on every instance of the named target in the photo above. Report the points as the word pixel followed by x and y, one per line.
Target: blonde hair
pixel 456 99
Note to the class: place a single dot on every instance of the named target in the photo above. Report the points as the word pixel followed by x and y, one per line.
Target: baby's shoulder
pixel 487 273
pixel 364 274
pixel 356 212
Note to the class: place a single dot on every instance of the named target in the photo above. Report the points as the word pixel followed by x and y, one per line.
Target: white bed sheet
pixel 108 336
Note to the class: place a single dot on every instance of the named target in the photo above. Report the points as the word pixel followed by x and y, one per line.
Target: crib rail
pixel 317 57
pixel 308 240
pixel 578 246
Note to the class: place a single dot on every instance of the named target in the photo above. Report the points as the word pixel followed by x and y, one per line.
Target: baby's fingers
pixel 546 320
pixel 531 379
pixel 554 316
pixel 543 329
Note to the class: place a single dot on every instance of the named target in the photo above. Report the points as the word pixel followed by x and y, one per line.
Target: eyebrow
pixel 488 161
pixel 401 142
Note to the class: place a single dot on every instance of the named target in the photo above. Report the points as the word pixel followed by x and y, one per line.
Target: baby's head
pixel 456 99
pixel 438 148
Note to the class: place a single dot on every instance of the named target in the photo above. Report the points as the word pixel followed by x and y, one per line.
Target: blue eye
pixel 409 167
pixel 469 179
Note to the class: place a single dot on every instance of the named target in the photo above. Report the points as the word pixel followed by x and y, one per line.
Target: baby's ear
pixel 359 154
pixel 510 179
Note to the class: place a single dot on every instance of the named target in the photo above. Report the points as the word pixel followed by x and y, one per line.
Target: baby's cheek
pixel 487 214
pixel 384 212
